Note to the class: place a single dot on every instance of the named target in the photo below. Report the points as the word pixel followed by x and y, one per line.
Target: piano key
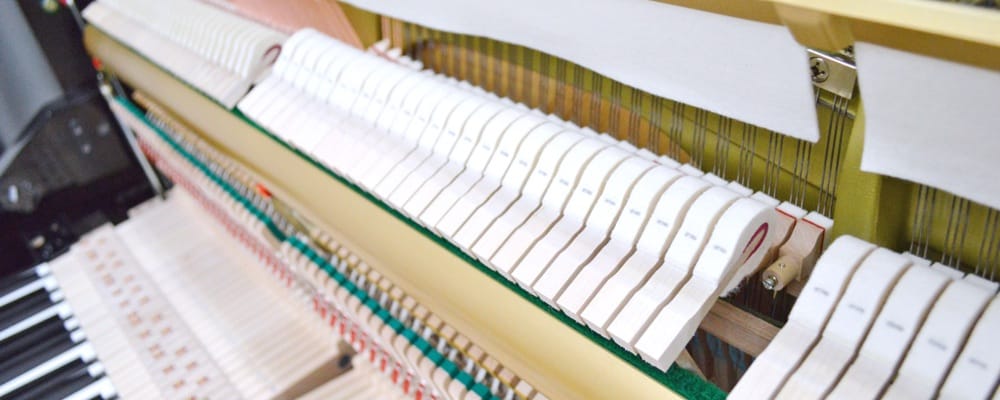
pixel 102 389
pixel 26 338
pixel 28 304
pixel 31 318
pixel 14 286
pixel 59 383
pixel 46 348
pixel 50 360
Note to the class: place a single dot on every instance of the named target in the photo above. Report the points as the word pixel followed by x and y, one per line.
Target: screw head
pixel 820 71
pixel 770 282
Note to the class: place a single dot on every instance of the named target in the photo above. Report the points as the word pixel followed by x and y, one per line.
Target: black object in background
pixel 65 167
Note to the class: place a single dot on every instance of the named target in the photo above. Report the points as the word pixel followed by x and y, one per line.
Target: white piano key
pixel 102 388
pixel 61 310
pixel 47 284
pixel 82 351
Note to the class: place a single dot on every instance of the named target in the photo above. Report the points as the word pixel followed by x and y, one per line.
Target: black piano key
pixel 13 282
pixel 113 397
pixel 34 356
pixel 57 384
pixel 24 307
pixel 28 338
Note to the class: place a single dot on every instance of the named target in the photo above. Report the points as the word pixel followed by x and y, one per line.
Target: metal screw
pixel 770 282
pixel 820 71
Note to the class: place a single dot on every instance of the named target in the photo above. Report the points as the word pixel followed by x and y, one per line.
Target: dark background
pixel 71 169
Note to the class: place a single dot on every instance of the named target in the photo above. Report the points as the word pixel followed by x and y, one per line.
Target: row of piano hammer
pixel 636 246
